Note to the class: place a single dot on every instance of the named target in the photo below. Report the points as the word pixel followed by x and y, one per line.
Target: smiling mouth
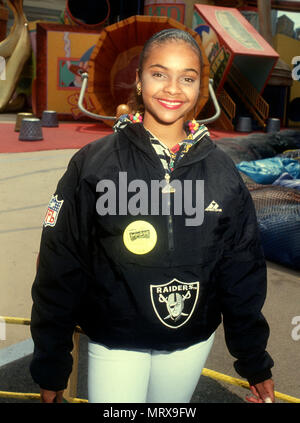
pixel 170 104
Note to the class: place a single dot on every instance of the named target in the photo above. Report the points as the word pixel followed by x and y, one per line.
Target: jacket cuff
pixel 260 377
pixel 49 375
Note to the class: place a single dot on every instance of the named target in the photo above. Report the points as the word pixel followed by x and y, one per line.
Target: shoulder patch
pixel 53 210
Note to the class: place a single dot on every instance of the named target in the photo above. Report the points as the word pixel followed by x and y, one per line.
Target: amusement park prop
pixel 273 125
pixel 31 129
pixel 244 124
pixel 180 10
pixel 61 51
pixel 90 15
pixel 20 117
pixel 49 119
pixel 15 49
pixel 240 58
pixel 114 60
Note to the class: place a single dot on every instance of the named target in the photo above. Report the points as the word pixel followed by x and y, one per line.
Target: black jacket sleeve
pixel 60 281
pixel 243 284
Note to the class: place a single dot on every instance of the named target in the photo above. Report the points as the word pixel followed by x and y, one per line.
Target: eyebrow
pixel 164 67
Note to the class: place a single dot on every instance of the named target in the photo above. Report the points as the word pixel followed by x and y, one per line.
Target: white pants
pixel 139 376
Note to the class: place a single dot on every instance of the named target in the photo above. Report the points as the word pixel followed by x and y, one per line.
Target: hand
pixel 51 396
pixel 263 392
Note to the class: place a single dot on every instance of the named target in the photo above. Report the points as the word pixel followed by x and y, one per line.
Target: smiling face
pixel 170 82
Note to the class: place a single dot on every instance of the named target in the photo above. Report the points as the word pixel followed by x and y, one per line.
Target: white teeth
pixel 171 103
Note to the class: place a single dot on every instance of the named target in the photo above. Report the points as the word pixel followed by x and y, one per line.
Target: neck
pixel 170 135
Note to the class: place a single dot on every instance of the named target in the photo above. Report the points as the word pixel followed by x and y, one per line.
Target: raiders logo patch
pixel 174 302
pixel 53 211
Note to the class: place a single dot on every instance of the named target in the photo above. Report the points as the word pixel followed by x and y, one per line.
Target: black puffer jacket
pixel 93 271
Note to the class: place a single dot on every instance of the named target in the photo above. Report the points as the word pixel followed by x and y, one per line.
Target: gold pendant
pixel 168 189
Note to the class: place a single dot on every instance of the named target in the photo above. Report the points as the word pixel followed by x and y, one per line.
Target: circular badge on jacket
pixel 140 237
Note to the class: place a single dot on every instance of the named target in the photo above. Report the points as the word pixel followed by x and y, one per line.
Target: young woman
pixel 150 239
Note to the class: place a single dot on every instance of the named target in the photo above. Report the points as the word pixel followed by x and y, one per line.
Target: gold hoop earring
pixel 139 89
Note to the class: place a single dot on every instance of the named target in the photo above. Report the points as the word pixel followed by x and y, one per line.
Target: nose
pixel 171 86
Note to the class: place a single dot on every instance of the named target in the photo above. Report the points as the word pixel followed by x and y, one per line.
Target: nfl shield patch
pixel 53 211
pixel 174 302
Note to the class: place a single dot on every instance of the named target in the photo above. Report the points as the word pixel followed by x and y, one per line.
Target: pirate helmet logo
pixel 174 302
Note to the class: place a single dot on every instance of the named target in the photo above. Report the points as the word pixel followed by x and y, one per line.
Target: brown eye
pixel 188 80
pixel 157 75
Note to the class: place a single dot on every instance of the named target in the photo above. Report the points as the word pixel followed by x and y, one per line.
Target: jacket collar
pixel 139 136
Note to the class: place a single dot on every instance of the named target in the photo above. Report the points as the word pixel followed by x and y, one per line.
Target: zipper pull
pixel 168 189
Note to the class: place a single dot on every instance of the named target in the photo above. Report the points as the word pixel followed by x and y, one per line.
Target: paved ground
pixel 27 181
